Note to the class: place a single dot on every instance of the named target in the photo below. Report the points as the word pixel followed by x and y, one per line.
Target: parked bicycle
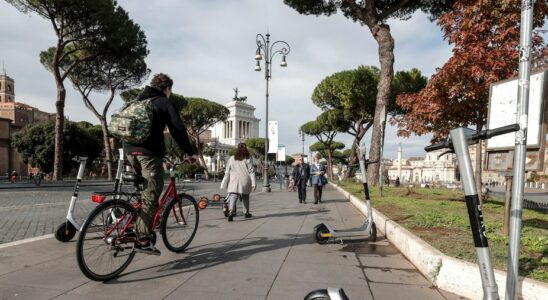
pixel 460 139
pixel 106 244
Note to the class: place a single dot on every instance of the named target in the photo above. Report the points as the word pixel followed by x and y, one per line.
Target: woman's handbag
pixel 323 180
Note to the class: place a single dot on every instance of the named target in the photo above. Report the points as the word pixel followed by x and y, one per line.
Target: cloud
pixel 208 48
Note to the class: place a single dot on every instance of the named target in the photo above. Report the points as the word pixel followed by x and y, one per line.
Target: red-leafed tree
pixel 485 35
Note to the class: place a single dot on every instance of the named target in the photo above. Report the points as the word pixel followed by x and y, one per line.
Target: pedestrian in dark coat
pixel 301 174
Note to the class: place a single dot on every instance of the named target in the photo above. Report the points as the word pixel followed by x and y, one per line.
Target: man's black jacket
pixel 301 173
pixel 164 113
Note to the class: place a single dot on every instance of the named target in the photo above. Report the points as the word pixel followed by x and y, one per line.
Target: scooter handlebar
pixel 439 146
pixel 489 133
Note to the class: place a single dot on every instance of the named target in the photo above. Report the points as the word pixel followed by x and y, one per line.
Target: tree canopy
pixel 349 98
pixel 115 71
pixel 36 144
pixel 485 36
pixel 374 14
pixel 85 30
pixel 199 115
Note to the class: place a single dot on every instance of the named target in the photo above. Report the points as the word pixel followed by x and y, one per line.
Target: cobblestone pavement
pixel 37 211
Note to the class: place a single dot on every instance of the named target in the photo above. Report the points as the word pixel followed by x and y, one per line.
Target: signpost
pixel 526 29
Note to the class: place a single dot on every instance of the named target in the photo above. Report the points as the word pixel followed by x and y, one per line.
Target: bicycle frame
pixel 460 145
pixel 169 193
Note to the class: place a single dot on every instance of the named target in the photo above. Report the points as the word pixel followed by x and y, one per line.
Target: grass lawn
pixel 440 218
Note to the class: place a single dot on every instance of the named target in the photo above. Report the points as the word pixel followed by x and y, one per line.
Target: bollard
pixel 536 185
pixel 543 186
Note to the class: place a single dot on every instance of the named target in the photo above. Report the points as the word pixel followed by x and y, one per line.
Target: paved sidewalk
pixel 270 256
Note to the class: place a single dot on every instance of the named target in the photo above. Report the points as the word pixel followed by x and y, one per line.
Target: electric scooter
pixel 460 139
pixel 67 230
pixel 327 294
pixel 324 232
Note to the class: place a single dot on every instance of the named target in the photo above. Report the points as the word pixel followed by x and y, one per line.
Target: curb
pixel 447 273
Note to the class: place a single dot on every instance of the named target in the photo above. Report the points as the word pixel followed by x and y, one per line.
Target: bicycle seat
pixel 131 177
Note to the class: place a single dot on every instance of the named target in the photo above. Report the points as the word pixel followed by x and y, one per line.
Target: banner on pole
pixel 272 136
pixel 281 153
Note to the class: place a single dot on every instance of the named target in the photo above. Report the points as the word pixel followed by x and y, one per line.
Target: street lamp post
pixel 268 51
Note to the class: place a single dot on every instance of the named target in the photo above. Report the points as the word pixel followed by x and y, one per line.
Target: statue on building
pixel 238 99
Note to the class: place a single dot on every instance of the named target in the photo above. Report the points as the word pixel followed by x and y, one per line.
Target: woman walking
pixel 317 172
pixel 239 180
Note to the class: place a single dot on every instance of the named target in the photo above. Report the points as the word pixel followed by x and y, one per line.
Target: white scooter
pixel 324 232
pixel 67 230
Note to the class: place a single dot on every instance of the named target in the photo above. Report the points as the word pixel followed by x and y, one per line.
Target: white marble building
pixel 431 168
pixel 240 125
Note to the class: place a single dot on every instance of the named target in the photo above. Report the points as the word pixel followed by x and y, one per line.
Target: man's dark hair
pixel 161 81
pixel 241 152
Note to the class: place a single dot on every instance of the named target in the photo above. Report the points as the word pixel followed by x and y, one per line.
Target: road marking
pixel 25 241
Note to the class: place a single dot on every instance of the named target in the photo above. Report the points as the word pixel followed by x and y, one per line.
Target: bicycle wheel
pixel 179 223
pixel 102 250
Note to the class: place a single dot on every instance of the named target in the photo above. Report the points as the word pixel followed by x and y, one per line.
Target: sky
pixel 208 48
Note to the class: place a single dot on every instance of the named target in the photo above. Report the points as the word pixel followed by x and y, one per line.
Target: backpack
pixel 133 122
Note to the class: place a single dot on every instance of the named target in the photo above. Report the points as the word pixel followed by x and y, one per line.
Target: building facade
pixel 240 125
pixel 432 168
pixel 13 117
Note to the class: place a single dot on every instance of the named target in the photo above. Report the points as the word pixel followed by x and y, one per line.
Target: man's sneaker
pixel 147 249
pixel 230 218
pixel 248 215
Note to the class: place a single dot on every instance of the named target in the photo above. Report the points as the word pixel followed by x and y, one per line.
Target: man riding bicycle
pixel 147 158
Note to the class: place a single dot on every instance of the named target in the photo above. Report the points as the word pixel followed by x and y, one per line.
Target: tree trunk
pixel 108 151
pixel 352 159
pixel 59 116
pixel 59 124
pixel 381 33
pixel 201 158
pixel 330 164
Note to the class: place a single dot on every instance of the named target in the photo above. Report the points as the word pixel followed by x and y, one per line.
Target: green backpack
pixel 133 122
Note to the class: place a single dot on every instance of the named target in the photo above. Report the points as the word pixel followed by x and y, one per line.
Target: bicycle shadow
pixel 210 256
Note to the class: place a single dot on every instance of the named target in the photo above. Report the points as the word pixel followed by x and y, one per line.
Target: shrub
pixel 187 170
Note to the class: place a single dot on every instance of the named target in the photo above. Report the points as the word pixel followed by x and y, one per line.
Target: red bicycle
pixel 107 240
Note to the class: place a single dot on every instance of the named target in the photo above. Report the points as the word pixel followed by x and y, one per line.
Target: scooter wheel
pixel 373 233
pixel 318 295
pixel 202 203
pixel 317 234
pixel 65 232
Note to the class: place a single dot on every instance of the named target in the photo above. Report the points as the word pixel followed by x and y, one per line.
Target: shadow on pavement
pixel 208 257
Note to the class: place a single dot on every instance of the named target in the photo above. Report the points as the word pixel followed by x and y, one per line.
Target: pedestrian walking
pixel 317 175
pixel 239 180
pixel 13 177
pixel 301 172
